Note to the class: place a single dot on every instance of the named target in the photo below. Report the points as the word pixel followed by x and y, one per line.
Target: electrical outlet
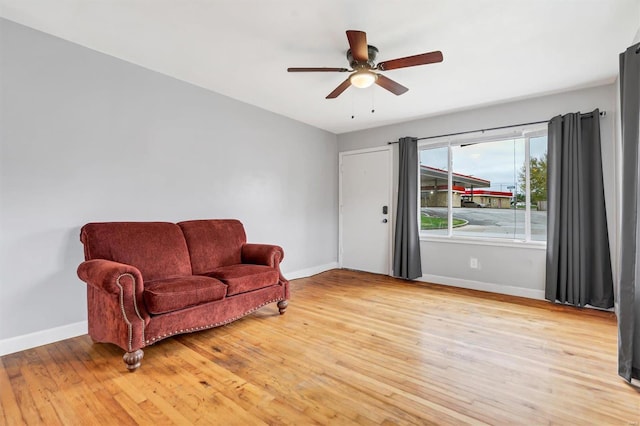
pixel 473 263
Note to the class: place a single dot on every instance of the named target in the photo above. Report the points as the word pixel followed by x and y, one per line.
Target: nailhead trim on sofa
pixel 135 306
pixel 204 327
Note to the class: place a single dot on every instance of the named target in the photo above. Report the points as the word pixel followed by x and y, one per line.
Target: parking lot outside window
pixel 485 188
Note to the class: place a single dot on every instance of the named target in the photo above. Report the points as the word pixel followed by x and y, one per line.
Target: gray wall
pixel 87 137
pixel 508 269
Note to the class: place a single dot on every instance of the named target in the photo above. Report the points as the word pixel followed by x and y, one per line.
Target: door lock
pixel 385 209
pixel 384 220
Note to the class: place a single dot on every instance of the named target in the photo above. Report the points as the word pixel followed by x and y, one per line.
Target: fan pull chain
pixel 373 100
pixel 353 107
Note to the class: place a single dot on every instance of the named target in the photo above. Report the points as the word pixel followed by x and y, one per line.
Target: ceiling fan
pixel 362 56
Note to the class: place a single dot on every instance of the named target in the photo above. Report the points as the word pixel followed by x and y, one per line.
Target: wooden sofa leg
pixel 133 359
pixel 282 306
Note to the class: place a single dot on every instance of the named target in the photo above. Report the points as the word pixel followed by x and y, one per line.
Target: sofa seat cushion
pixel 173 294
pixel 242 278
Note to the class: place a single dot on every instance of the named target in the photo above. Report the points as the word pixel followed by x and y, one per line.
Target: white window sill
pixel 495 242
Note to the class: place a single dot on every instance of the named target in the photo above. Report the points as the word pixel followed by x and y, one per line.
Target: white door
pixel 365 210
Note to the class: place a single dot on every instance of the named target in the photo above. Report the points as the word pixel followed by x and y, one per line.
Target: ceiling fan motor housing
pixel 372 51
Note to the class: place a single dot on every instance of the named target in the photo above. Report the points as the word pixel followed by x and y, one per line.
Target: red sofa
pixel 151 280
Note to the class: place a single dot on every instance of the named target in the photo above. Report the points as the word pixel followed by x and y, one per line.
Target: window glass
pixel 485 191
pixel 434 175
pixel 538 183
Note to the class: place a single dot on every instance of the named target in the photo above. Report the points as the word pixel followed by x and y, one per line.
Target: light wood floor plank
pixel 23 393
pixel 353 348
pixel 9 408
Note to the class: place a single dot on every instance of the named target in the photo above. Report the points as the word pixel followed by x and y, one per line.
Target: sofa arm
pixel 103 274
pixel 269 255
pixel 118 280
pixel 262 254
pixel 116 310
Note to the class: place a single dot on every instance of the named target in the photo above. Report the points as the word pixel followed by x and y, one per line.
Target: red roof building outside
pixel 434 189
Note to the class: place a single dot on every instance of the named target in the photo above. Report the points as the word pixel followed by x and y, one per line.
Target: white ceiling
pixel 494 50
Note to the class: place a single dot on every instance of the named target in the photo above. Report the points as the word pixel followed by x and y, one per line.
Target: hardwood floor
pixel 353 348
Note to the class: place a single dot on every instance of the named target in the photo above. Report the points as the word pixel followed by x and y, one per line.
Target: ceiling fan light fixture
pixel 363 78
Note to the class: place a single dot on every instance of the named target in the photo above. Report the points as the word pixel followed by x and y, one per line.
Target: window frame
pixel 526 133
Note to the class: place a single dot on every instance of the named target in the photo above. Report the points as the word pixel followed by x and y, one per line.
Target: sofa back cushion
pixel 213 243
pixel 157 249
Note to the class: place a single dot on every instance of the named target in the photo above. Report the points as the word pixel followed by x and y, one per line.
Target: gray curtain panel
pixel 578 257
pixel 629 284
pixel 406 253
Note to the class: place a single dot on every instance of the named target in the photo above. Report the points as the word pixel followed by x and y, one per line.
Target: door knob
pixel 384 220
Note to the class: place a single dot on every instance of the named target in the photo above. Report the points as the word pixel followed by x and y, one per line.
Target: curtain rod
pixel 602 114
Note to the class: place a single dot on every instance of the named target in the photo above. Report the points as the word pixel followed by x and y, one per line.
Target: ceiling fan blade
pixel 358 45
pixel 338 90
pixel 411 61
pixel 317 69
pixel 390 85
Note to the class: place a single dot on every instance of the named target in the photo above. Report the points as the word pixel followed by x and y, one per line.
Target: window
pixel 485 188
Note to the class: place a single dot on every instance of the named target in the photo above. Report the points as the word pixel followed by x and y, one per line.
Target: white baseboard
pixel 303 273
pixel 479 285
pixel 44 337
